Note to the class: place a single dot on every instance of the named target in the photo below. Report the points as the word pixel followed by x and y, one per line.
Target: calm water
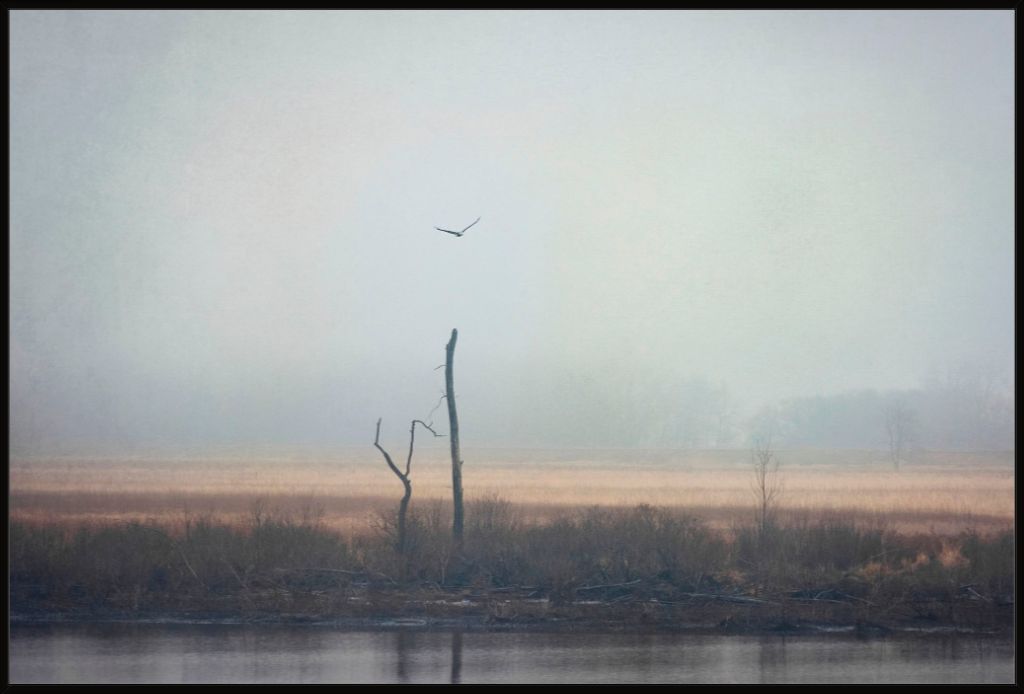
pixel 205 653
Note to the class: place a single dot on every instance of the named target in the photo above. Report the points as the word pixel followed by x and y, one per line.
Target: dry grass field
pixel 937 493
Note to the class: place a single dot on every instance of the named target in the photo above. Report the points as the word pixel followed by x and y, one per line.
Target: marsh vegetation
pixel 840 546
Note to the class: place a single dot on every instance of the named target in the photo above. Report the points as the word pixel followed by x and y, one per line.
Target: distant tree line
pixel 953 413
pixel 610 409
pixel 961 410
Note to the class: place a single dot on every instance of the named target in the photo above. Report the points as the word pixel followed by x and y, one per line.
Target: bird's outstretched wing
pixel 458 233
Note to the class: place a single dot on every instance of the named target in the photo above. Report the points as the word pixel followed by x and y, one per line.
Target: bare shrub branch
pixel 767 484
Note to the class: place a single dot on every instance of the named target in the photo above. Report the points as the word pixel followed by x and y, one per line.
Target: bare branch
pixel 430 415
pixel 412 440
pixel 428 428
pixel 387 458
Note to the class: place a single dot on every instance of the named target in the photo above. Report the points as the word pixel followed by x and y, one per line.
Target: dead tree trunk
pixel 453 433
pixel 403 506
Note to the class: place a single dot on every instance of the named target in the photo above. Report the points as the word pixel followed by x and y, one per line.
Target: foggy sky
pixel 221 222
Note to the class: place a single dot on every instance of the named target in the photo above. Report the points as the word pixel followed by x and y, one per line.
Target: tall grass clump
pixel 121 563
pixel 601 546
pixel 428 554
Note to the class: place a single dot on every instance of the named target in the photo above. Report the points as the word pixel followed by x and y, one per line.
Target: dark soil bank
pixel 611 609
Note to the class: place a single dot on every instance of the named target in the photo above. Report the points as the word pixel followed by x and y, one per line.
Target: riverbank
pixel 601 569
pixel 623 609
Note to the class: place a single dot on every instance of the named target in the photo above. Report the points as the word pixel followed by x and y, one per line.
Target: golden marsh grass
pixel 937 492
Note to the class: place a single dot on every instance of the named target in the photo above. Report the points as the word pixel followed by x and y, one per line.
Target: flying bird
pixel 457 233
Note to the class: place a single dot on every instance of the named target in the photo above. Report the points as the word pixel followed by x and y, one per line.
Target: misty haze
pixel 734 301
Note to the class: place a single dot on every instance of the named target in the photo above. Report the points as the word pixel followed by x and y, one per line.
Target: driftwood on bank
pixel 363 573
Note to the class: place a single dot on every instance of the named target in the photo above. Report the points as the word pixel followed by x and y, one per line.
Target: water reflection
pixel 456 677
pixel 772 659
pixel 222 654
pixel 403 645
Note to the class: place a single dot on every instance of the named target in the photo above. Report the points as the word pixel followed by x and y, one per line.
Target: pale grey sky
pixel 222 222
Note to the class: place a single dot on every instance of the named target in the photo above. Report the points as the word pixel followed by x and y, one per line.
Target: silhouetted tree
pixel 898 421
pixel 403 506
pixel 767 484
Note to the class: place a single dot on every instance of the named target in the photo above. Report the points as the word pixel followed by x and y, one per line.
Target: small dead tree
pixel 767 483
pixel 453 433
pixel 403 506
pixel 898 422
